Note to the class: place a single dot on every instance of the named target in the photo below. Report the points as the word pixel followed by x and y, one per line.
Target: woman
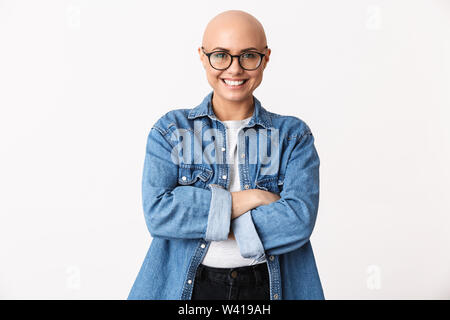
pixel 230 190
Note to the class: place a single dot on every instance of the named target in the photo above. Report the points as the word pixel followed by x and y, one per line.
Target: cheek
pixel 256 78
pixel 213 76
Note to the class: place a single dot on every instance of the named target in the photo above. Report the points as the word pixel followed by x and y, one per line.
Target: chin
pixel 233 96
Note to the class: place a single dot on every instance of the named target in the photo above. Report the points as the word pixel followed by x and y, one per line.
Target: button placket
pixel 224 156
pixel 240 150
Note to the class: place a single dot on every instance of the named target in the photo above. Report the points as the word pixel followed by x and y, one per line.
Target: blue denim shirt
pixel 187 204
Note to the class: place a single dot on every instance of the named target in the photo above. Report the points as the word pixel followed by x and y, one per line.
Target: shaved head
pixel 234 26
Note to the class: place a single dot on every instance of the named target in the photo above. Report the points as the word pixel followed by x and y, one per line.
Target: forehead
pixel 234 38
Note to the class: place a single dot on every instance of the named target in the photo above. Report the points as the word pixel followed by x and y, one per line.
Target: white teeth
pixel 233 83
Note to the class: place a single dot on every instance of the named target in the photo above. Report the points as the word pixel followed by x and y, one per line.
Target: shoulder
pixel 291 126
pixel 174 117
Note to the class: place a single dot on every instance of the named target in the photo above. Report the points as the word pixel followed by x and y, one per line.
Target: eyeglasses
pixel 222 60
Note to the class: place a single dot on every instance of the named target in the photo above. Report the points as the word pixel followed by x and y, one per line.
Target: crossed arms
pixel 261 221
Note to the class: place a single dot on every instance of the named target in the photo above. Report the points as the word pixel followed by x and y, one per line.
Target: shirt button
pixel 203 245
pixel 246 186
pixel 183 178
pixel 243 155
pixel 234 274
pixel 275 296
pixel 189 281
pixel 224 177
pixel 271 258
pixel 223 149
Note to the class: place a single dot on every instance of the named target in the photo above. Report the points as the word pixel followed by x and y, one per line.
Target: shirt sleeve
pixel 249 243
pixel 287 224
pixel 180 212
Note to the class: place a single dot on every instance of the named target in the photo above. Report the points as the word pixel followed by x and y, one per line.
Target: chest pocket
pixel 194 175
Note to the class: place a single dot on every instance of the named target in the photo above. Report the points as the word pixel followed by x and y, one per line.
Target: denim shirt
pixel 187 204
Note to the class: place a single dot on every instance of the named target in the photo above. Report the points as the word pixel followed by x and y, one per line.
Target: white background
pixel 82 82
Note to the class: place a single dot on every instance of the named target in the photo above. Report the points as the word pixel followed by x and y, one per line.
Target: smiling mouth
pixel 234 83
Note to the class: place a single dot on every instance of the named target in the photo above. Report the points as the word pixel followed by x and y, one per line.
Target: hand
pixel 245 200
pixel 250 199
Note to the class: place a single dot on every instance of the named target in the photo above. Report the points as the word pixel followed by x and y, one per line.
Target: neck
pixel 232 110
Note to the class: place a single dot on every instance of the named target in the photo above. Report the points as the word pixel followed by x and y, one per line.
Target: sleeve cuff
pixel 248 240
pixel 219 217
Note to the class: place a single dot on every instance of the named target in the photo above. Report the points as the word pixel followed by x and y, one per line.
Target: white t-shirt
pixel 226 254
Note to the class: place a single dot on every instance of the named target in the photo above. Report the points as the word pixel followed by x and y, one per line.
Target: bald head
pixel 234 30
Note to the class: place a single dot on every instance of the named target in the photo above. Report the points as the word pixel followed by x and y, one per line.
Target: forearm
pixel 244 200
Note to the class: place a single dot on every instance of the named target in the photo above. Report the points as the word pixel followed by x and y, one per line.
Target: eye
pixel 249 55
pixel 219 55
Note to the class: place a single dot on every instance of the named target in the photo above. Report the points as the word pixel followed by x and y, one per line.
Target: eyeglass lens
pixel 222 60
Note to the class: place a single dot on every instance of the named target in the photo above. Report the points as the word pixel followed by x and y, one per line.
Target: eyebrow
pixel 246 49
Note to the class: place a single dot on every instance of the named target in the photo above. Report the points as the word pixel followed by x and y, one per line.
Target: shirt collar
pixel 260 115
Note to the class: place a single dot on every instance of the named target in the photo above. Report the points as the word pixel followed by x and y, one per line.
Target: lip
pixel 233 87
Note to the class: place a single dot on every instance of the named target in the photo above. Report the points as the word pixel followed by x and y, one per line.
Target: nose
pixel 235 66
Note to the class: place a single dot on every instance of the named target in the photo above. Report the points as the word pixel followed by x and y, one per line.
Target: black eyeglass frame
pixel 261 55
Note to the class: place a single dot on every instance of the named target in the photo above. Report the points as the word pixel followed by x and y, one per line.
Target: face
pixel 220 79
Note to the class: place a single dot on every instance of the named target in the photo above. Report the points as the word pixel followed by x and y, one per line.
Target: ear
pixel 202 57
pixel 267 58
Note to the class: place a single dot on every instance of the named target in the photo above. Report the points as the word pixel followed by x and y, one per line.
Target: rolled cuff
pixel 248 240
pixel 219 216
